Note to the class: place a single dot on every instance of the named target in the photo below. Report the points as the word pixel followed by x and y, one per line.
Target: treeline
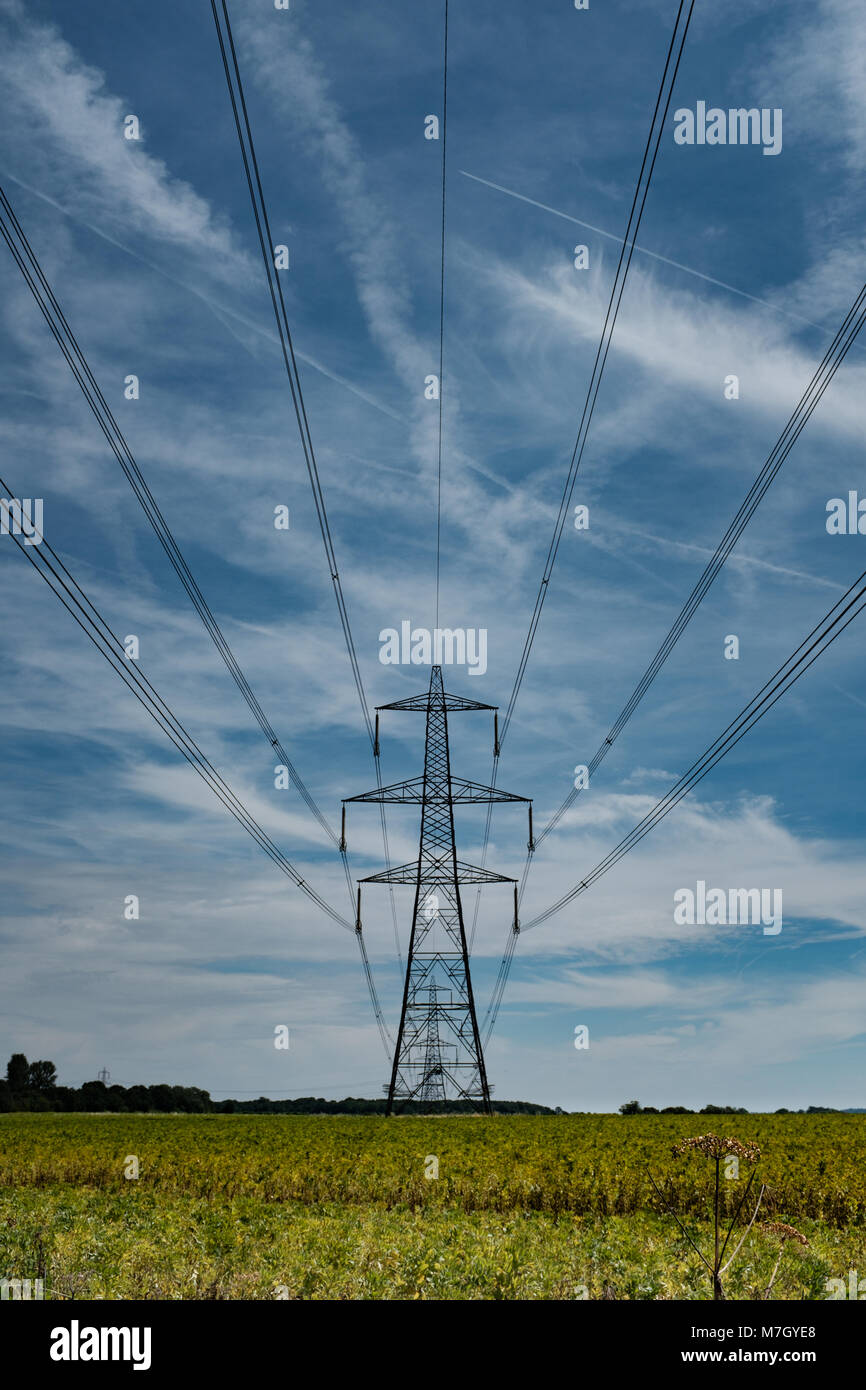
pixel 33 1086
pixel 633 1107
pixel 352 1105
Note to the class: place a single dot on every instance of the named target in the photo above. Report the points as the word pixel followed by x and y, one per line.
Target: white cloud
pixel 817 66
pixel 64 105
pixel 680 341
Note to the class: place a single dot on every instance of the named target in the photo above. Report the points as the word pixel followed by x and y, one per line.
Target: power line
pixel 266 244
pixel 305 1093
pixel 109 644
pixel 91 622
pixel 106 641
pixel 28 263
pixel 823 375
pixel 678 39
pixel 651 149
pixel 258 1092
pixel 501 981
pixel 239 108
pixel 642 250
pixel 441 314
pixel 824 634
pixel 39 286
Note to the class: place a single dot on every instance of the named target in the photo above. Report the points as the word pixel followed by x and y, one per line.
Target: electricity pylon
pixel 438 1048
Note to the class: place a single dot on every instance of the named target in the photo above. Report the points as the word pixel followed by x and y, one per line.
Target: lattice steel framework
pixel 438 1052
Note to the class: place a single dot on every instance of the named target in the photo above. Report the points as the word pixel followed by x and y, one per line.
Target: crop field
pixel 517 1207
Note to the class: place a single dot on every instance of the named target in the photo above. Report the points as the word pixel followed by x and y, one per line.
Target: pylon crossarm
pixel 454 704
pixel 438 872
pixel 465 791
pixel 409 791
pixel 471 873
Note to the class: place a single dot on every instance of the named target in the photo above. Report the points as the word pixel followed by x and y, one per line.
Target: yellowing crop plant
pixel 247 1206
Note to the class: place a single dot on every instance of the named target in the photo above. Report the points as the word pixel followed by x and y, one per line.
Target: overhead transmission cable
pixel 95 627
pixel 665 93
pixel 650 154
pixel 823 634
pixel 89 619
pixel 266 244
pixel 832 359
pixel 37 282
pixel 823 375
pixel 28 263
pixel 441 315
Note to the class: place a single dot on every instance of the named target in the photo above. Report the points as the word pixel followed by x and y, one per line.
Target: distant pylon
pixel 438 1048
pixel 433 1085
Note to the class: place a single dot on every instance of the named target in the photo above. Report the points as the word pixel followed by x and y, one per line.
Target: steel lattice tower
pixel 438 1050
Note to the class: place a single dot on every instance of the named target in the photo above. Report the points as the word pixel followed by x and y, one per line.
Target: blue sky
pixel 151 250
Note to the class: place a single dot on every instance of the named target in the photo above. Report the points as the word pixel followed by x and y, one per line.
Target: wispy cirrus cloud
pixel 679 339
pixel 817 62
pixel 60 104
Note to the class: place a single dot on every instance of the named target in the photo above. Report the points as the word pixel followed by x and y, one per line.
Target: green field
pixel 523 1207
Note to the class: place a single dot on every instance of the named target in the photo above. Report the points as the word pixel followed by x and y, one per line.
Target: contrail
pixel 642 249
pixel 219 310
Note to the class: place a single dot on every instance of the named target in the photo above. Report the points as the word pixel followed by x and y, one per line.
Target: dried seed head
pixel 779 1228
pixel 711 1146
